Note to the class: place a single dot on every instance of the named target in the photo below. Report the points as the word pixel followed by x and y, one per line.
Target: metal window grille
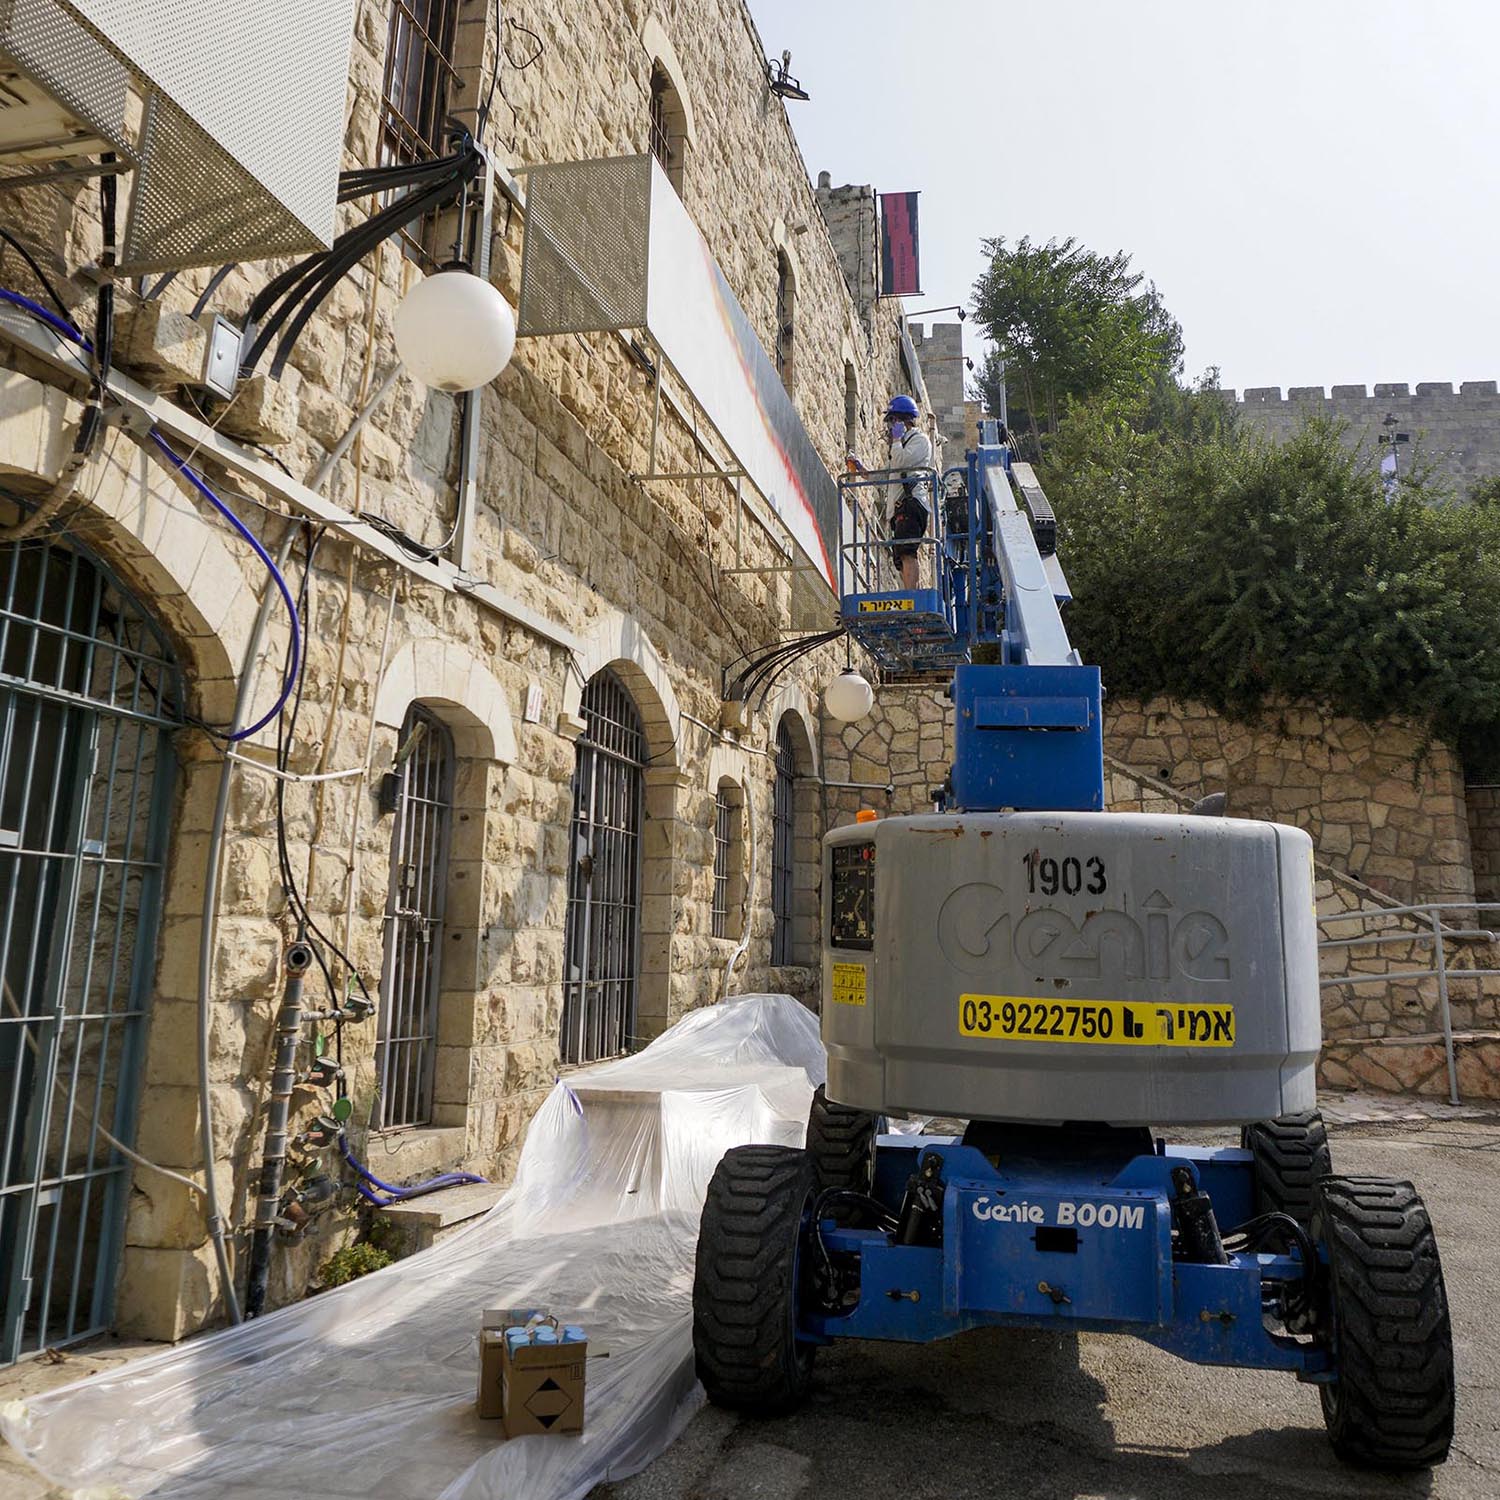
pixel 724 811
pixel 602 940
pixel 851 409
pixel 661 138
pixel 784 315
pixel 419 79
pixel 411 985
pixel 89 695
pixel 783 834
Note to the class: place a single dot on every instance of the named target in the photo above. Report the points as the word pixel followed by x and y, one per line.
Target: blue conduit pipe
pixel 294 666
pixel 56 324
pixel 370 1187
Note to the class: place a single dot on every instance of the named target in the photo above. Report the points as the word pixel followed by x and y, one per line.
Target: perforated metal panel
pixel 243 133
pixel 264 86
pixel 587 233
pixel 42 43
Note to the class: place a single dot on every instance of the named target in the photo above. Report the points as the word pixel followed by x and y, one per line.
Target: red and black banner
pixel 900 254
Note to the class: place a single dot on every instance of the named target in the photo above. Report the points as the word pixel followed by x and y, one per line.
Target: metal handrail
pixel 864 559
pixel 1434 933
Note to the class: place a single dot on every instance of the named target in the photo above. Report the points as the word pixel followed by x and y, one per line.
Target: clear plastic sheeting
pixel 369 1389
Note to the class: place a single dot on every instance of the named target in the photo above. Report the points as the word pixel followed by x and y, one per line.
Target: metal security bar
pixel 419 79
pixel 661 138
pixel 602 942
pixel 406 1050
pixel 1434 932
pixel 723 838
pixel 89 695
pixel 783 841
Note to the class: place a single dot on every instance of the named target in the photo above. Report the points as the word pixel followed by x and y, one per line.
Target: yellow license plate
pixel 885 606
pixel 1116 1023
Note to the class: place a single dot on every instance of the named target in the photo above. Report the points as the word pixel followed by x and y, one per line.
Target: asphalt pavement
pixel 998 1413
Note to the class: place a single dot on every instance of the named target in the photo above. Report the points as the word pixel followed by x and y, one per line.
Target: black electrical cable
pixel 285 731
pixel 37 271
pixel 764 670
pixel 214 283
pixel 376 227
pixel 489 99
pixel 341 260
pixel 162 283
pixel 298 292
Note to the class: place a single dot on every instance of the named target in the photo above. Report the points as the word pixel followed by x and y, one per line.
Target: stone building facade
pixel 589 602
pixel 1457 432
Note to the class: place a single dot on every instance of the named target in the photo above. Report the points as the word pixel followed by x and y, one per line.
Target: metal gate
pixel 89 695
pixel 783 835
pixel 602 946
pixel 406 1050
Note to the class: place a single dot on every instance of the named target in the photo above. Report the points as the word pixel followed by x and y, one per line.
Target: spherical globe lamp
pixel 454 331
pixel 848 697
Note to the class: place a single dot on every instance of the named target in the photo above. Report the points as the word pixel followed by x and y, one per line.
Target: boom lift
pixel 1066 981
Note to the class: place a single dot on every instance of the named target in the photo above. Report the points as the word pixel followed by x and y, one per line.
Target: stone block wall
pixel 1381 801
pixel 1458 432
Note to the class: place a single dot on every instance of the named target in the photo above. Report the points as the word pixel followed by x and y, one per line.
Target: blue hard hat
pixel 902 406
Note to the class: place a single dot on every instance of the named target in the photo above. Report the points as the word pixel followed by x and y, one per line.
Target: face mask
pixel 898 431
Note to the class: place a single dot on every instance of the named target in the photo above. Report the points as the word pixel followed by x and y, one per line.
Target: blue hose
pixel 290 681
pixel 51 319
pixel 397 1194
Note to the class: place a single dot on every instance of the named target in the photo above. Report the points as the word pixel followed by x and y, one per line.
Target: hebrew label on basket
pixel 1118 1023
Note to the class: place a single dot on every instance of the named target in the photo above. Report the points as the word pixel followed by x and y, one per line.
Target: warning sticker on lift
pixel 1118 1023
pixel 848 984
pixel 885 606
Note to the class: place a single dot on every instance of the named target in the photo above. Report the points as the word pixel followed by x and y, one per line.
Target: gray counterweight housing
pixel 1130 968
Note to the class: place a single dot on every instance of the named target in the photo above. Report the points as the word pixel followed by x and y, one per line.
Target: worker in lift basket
pixel 905 499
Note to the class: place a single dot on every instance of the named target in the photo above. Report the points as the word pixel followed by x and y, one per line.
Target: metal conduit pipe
pixel 273 1162
pixel 208 927
pixel 744 943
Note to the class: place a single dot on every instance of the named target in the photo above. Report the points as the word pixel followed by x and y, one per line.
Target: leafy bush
pixel 352 1262
pixel 1209 565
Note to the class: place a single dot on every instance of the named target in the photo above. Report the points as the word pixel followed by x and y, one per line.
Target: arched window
pixel 411 981
pixel 786 317
pixel 89 700
pixel 851 408
pixel 783 846
pixel 668 126
pixel 601 944
pixel 729 853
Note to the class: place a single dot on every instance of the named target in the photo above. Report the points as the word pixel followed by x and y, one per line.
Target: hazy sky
pixel 1313 184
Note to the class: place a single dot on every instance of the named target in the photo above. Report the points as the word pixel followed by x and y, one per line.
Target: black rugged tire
pixel 745 1281
pixel 1291 1156
pixel 841 1142
pixel 1391 1405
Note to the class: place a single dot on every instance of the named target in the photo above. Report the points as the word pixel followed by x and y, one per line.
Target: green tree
pixel 1067 325
pixel 1208 565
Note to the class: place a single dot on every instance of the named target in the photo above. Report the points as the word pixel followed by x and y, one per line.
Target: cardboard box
pixel 542 1387
pixel 491 1373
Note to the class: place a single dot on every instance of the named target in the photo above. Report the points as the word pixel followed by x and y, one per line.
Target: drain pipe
pixel 744 942
pixel 273 1163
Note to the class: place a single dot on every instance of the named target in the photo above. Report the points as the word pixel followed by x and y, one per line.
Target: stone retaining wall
pixel 1380 800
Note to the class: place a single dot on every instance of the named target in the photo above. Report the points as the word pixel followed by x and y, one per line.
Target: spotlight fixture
pixel 783 85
